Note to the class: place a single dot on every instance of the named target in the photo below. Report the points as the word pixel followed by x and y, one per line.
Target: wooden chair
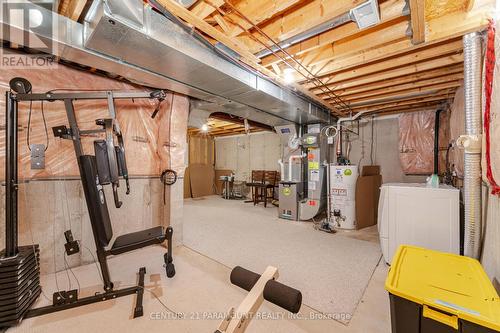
pixel 266 190
pixel 257 180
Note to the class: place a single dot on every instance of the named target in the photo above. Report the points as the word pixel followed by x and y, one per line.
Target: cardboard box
pixel 367 196
pixel 371 170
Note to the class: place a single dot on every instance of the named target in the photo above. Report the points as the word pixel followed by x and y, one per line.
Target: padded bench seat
pixel 137 240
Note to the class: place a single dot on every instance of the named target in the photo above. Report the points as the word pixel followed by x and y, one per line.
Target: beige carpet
pixel 200 292
pixel 332 271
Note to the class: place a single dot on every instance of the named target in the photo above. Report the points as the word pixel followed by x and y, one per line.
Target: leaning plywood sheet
pixel 149 143
pixel 202 179
pixel 416 142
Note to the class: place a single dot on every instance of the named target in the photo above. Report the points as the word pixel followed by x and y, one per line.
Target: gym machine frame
pixel 15 255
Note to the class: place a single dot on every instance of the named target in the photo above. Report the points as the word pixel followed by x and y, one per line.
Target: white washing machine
pixel 415 214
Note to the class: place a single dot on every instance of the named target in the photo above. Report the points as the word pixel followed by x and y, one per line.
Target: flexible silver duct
pixel 473 128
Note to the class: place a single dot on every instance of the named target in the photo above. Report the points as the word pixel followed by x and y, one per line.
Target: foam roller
pixel 244 278
pixel 277 293
pixel 283 296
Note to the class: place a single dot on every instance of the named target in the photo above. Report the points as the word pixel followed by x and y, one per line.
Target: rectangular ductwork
pixel 142 37
pixel 125 38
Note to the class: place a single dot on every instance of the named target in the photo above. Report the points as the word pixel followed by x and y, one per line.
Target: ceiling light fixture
pixel 204 128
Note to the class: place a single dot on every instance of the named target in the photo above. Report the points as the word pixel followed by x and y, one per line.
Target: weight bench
pixel 103 232
pixel 260 288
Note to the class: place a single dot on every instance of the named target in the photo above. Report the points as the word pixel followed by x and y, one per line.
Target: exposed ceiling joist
pixel 259 12
pixel 440 73
pixel 412 91
pixel 202 9
pixel 405 100
pixel 389 11
pixel 183 13
pixel 367 68
pixel 402 103
pixel 439 62
pixel 417 13
pixel 326 56
pixel 301 19
pixel 417 56
pixel 406 86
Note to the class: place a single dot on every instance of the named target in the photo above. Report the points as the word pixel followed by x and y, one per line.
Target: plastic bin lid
pixel 447 282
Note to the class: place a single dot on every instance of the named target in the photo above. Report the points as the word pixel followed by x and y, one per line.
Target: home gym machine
pixel 19 265
pixel 260 288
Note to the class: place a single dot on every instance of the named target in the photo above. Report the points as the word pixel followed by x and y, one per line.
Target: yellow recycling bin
pixel 436 292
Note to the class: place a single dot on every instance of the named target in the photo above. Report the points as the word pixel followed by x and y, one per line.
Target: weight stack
pixel 19 284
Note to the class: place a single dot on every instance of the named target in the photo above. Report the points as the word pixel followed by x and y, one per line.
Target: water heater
pixel 342 194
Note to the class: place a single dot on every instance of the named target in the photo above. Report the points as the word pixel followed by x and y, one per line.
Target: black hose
pixel 436 142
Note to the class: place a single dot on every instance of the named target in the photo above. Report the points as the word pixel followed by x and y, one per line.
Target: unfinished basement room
pixel 250 166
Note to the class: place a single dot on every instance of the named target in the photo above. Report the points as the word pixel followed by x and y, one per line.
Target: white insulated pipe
pixel 472 139
pixel 282 169
pixel 290 162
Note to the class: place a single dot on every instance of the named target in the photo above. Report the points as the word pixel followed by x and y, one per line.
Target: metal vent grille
pixel 366 14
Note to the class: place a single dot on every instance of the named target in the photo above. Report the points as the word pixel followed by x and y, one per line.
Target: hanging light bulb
pixel 204 128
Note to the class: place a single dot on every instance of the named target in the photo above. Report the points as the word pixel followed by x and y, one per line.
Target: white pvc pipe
pixel 282 169
pixel 290 162
pixel 341 120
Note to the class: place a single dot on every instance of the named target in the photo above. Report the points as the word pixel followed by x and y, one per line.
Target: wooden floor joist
pixel 395 82
pixel 390 11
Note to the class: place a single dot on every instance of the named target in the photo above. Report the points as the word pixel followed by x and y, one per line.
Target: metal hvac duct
pixel 125 38
pixel 472 143
pixel 140 36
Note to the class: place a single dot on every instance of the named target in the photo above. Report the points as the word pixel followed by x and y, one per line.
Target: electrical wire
pixel 81 244
pixel 166 307
pixel 129 285
pixel 29 127
pixel 310 77
pixel 71 270
pixel 75 89
pixel 37 260
pixel 54 253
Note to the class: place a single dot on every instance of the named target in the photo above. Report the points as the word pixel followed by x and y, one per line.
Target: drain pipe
pixel 338 143
pixel 436 141
pixel 282 169
pixel 472 143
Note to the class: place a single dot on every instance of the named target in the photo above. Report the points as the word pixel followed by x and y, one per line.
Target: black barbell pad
pixel 283 296
pixel 244 278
